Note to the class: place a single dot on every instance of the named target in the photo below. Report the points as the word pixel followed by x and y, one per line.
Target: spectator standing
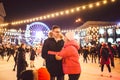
pixel 53 43
pixel 70 56
pixel 21 60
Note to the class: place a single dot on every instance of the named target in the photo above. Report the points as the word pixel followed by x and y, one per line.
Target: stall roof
pixel 96 24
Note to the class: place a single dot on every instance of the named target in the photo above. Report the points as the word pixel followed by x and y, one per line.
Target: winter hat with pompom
pixel 70 35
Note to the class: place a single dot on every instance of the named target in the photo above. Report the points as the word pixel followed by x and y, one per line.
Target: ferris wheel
pixel 36 32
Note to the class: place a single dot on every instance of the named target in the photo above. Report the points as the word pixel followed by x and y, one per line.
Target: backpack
pixel 105 53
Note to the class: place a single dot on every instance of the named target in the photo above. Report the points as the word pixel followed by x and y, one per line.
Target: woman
pixel 70 57
pixel 105 58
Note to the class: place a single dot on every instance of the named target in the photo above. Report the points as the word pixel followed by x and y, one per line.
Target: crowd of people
pixel 61 54
pixel 103 53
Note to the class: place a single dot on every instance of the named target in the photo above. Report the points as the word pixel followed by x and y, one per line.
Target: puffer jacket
pixel 69 53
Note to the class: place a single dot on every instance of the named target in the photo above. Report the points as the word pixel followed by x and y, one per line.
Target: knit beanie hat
pixel 70 35
pixel 43 74
pixel 40 74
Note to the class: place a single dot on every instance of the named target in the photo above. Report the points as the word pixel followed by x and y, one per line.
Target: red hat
pixel 70 35
pixel 43 74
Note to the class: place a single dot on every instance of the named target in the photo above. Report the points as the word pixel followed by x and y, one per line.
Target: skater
pixel 21 60
pixel 105 59
pixel 32 56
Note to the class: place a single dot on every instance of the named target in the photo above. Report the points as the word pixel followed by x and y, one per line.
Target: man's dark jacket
pixel 54 66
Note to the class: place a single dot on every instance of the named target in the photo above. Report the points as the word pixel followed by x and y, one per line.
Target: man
pixel 53 43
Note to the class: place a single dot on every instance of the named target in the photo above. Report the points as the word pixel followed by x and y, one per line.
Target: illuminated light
pixel 72 10
pixel 76 21
pixel 97 4
pixel 113 0
pixel 83 7
pixel 5 29
pixel 61 12
pixel 105 2
pixel 118 39
pixel 91 6
pixel 24 21
pixel 110 31
pixel 48 16
pixel 110 40
pixel 101 40
pixel 64 12
pixel 118 31
pixel 67 11
pixel 57 14
pixel 118 24
pixel 15 22
pixel 41 18
pixel 52 15
pixel 18 22
pixel 30 20
pixel 37 19
pixel 78 9
pixel 38 30
pixel 44 17
pixel 12 23
pixel 101 31
pixel 27 21
pixel 21 21
pixel 33 19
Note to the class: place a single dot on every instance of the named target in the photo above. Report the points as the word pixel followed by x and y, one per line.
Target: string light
pixel 91 6
pixel 89 29
pixel 83 7
pixel 97 4
pixel 4 24
pixel 61 13
pixel 78 9
pixel 72 10
pixel 113 0
pixel 67 11
pixel 105 2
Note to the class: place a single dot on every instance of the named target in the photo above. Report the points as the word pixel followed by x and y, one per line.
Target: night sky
pixel 23 9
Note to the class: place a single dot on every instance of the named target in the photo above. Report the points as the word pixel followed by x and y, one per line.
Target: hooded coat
pixel 70 57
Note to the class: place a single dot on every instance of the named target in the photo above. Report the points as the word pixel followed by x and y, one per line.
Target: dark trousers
pixel 14 66
pixel 58 77
pixel 10 56
pixel 74 76
pixel 85 59
pixel 112 62
pixel 94 57
pixel 19 70
pixel 108 66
